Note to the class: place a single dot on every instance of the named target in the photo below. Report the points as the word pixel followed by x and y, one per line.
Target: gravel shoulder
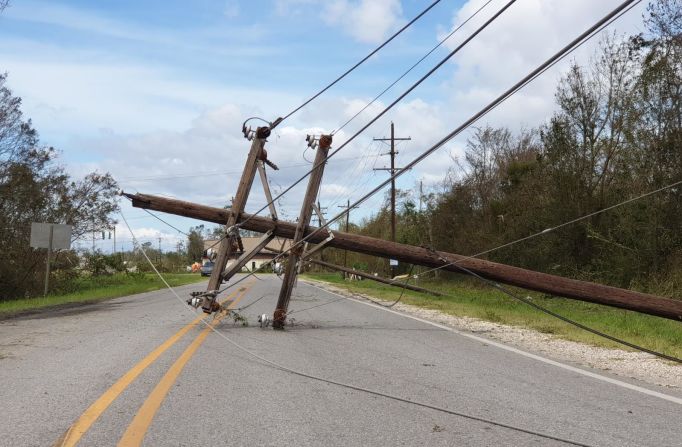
pixel 635 365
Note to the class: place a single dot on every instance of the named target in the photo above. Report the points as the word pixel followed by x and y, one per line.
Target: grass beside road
pixel 93 289
pixel 466 298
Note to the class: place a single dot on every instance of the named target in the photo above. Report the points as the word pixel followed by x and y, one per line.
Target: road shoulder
pixel 633 365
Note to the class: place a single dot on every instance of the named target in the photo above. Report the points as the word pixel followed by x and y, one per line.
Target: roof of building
pixel 249 243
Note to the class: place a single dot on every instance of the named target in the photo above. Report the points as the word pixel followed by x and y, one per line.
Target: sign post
pixel 50 236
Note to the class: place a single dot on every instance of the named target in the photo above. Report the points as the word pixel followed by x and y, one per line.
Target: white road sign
pixel 40 236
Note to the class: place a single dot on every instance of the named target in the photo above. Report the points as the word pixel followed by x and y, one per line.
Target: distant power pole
pixel 323 212
pixel 392 170
pixel 345 252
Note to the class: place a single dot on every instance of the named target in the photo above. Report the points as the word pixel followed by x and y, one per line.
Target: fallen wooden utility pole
pixel 515 276
pixel 400 284
pixel 291 272
pixel 228 244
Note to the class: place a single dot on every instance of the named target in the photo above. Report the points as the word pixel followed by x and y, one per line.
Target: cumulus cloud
pixel 368 21
pixel 524 36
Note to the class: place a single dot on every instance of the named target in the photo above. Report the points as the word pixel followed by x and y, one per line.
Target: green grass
pixel 99 288
pixel 465 298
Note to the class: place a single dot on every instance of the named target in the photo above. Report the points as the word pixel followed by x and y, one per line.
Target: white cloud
pixel 203 163
pixel 366 20
pixel 518 41
pixel 74 92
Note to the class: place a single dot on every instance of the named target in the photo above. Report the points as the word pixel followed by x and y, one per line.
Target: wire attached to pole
pixel 376 50
pixel 438 45
pixel 390 106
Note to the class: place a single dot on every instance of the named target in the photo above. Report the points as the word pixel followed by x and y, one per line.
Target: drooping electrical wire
pixel 396 101
pixel 212 327
pixel 438 45
pixel 508 292
pixel 605 21
pixel 552 229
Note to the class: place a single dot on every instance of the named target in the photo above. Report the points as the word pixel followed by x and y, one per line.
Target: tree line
pixel 34 187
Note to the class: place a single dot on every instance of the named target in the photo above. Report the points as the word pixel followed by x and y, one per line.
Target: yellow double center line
pixel 85 421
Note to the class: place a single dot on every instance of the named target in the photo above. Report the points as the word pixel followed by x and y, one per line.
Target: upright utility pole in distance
pixel 345 252
pixel 392 170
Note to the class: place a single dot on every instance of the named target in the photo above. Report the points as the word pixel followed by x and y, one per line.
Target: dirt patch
pixel 636 365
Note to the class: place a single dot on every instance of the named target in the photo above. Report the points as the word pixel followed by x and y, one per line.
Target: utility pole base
pixel 279 319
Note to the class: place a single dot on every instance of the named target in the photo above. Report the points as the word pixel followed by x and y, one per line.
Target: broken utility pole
pixel 392 170
pixel 290 274
pixel 230 242
pixel 506 274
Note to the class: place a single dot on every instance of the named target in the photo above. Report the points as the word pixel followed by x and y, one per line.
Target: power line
pixel 173 227
pixel 605 21
pixel 411 68
pixel 551 229
pixel 576 43
pixel 568 320
pixel 351 386
pixel 396 101
pixel 396 34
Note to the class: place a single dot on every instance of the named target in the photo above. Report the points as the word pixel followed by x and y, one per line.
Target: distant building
pixel 266 255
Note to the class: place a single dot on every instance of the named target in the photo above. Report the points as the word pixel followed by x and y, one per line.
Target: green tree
pixel 34 188
pixel 195 244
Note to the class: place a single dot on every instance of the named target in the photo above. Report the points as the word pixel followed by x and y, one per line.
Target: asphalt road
pixel 143 369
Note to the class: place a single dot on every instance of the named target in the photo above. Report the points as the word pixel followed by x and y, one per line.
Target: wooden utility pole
pixel 506 274
pixel 322 211
pixel 345 252
pixel 279 318
pixel 392 170
pixel 228 243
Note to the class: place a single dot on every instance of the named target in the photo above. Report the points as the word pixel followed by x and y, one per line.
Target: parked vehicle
pixel 207 269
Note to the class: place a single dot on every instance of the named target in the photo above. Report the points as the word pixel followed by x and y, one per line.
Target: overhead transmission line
pixel 576 43
pixel 552 229
pixel 390 106
pixel 565 51
pixel 562 53
pixel 376 50
pixel 438 45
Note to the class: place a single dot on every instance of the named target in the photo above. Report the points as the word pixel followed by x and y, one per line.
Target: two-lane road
pixel 142 369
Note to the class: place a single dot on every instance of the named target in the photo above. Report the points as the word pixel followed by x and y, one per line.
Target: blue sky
pixel 155 92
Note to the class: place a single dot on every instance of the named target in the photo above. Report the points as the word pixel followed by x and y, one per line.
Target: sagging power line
pixel 534 281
